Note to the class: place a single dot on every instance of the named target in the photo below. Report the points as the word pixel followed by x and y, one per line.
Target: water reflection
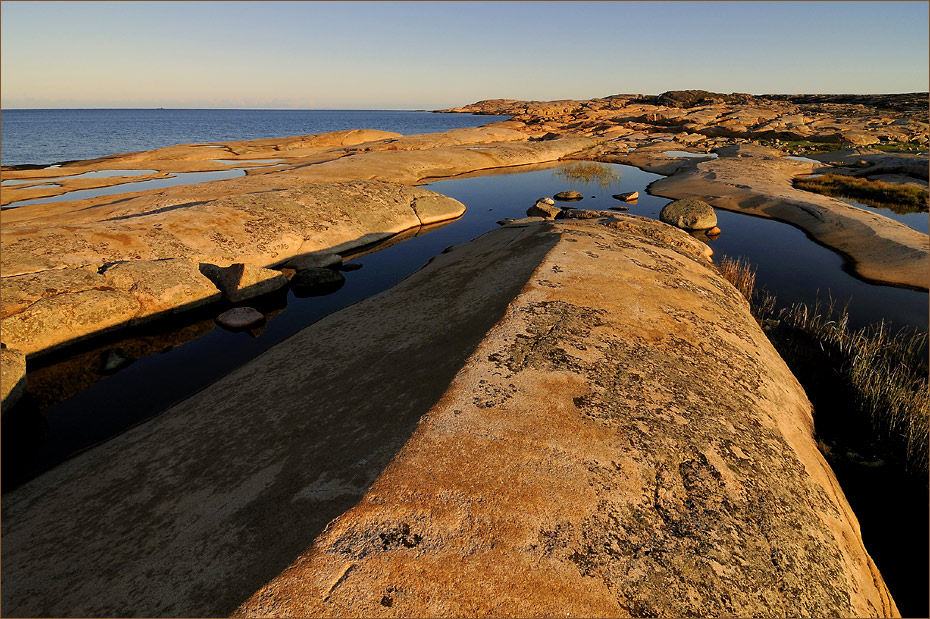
pixel 94 174
pixel 84 406
pixel 182 178
pixel 687 153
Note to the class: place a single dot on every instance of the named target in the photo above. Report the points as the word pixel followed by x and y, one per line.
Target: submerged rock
pixel 240 318
pixel 316 282
pixel 568 196
pixel 689 214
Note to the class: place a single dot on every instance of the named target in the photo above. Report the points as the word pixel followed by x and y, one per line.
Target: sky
pixel 431 55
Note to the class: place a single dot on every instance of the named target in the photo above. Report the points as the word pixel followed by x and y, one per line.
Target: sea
pixel 47 137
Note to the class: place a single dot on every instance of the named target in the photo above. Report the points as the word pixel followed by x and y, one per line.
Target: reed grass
pixel 901 199
pixel 589 172
pixel 885 372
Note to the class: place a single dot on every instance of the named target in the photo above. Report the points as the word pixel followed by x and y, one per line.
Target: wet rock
pixel 314 261
pixel 713 232
pixel 240 318
pixel 618 208
pixel 240 281
pixel 350 266
pixel 12 377
pixel 568 196
pixel 541 209
pixel 689 214
pixel 316 282
pixel 630 196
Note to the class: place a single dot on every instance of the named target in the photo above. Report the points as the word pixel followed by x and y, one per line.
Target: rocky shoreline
pixel 595 351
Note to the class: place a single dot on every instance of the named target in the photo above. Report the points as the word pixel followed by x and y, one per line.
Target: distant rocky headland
pixel 572 413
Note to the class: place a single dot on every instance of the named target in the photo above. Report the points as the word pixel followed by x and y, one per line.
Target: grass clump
pixel 805 147
pixel 901 199
pixel 876 375
pixel 589 172
pixel 896 147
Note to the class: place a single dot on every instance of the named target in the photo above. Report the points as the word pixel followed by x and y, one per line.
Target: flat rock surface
pixel 574 417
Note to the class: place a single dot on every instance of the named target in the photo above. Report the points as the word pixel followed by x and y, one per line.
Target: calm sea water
pixel 46 137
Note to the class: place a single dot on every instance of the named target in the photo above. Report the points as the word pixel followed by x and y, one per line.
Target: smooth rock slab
pixel 162 286
pixel 624 442
pixel 55 321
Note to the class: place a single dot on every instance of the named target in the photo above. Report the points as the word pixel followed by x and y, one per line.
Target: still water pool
pixel 78 405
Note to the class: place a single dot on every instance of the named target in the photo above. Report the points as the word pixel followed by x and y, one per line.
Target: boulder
pixel 241 281
pixel 316 282
pixel 239 318
pixel 12 377
pixel 689 214
pixel 541 209
pixel 162 286
pixel 568 196
pixel 548 201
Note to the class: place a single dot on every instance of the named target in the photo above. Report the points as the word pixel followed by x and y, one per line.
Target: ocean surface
pixel 46 137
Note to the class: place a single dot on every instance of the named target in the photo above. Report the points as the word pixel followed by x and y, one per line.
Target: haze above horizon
pixel 430 55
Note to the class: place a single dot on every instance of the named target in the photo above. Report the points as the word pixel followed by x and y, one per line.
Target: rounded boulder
pixel 689 214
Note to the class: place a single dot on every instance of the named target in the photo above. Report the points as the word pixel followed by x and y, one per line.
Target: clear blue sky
pixel 411 55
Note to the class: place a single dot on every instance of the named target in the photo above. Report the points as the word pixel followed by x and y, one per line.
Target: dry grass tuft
pixel 901 199
pixel 887 373
pixel 589 172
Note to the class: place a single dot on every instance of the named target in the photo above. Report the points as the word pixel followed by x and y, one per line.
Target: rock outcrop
pixel 582 417
pixel 335 192
pixel 53 294
pixel 652 456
